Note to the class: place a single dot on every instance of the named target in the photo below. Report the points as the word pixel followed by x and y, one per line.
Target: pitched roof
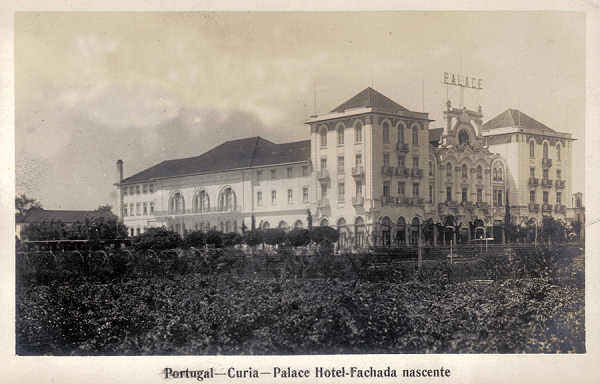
pixel 38 215
pixel 516 118
pixel 435 134
pixel 234 154
pixel 370 98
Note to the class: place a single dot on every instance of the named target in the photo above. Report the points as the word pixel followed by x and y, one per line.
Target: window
pixel 401 134
pixel 479 172
pixel 125 210
pixel 416 162
pixel 531 172
pixel 430 193
pixel 137 231
pixel 258 176
pixel 259 199
pixel 177 203
pixel 531 149
pixel 416 190
pixel 273 174
pixel 340 135
pixel 227 199
pixel 479 195
pixel 131 190
pixel 463 137
pixel 464 194
pixel 558 174
pixel 341 191
pixel 145 188
pixel 290 195
pixel 448 193
pixel 415 135
pixel 578 202
pixel 358 160
pixel 323 136
pixel 137 190
pixel 498 198
pixel 138 210
pixel 359 188
pixel 464 171
pixel 559 198
pixel 305 194
pixel 131 213
pixel 386 189
pixel 202 203
pixel 386 133
pixel 131 231
pixel 532 197
pixel 558 151
pixel 401 162
pixel 545 149
pixel 358 133
pixel 324 163
pixel 145 208
pixel 500 174
pixel 323 191
pixel 386 159
pixel 545 174
pixel 545 197
pixel 289 172
pixel 430 168
pixel 125 191
pixel 305 170
pixel 151 188
pixel 401 188
pixel 340 165
pixel 151 208
pixel 273 197
pixel 449 169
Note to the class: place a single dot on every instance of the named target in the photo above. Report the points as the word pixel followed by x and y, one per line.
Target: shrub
pixel 318 234
pixel 157 239
pixel 214 238
pixel 253 238
pixel 298 237
pixel 232 238
pixel 273 236
pixel 195 239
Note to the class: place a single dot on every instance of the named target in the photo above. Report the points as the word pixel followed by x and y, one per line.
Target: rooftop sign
pixel 462 81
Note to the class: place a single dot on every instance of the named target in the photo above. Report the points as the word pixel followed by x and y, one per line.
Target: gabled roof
pixel 234 154
pixel 38 215
pixel 435 134
pixel 516 118
pixel 372 99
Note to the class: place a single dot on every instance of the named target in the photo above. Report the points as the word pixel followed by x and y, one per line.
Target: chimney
pixel 120 169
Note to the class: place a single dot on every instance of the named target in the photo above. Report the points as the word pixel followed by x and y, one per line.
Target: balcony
pixel 358 201
pixel 402 172
pixel 418 201
pixel 546 163
pixel 388 200
pixel 533 181
pixel 386 170
pixel 323 203
pixel 416 173
pixel 197 212
pixel 560 208
pixel 401 147
pixel 546 183
pixel 323 174
pixel 534 207
pixel 559 184
pixel 467 205
pixel 482 205
pixel 546 207
pixel 452 204
pixel 498 179
pixel 358 171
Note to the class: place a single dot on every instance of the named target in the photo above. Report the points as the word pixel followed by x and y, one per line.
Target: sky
pixel 91 88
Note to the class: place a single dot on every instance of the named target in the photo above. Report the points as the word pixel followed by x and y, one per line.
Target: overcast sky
pixel 94 88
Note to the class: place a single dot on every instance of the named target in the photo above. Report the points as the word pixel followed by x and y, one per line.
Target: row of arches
pixel 545 149
pixel 201 202
pixel 401 127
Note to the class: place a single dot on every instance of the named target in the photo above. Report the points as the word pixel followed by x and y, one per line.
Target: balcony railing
pixel 402 171
pixel 452 204
pixel 204 211
pixel 386 170
pixel 468 205
pixel 546 163
pixel 533 181
pixel 560 208
pixel 534 207
pixel 546 207
pixel 388 200
pixel 498 179
pixel 559 184
pixel 547 183
pixel 323 174
pixel 416 173
pixel 402 147
pixel 358 171
pixel 358 201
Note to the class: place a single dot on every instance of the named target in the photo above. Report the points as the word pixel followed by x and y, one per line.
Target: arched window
pixel 401 134
pixel 479 172
pixel 464 170
pixel 545 148
pixel 340 135
pixel 531 149
pixel 324 222
pixel 201 202
pixel 415 135
pixel 463 137
pixel 283 225
pixel 449 169
pixel 558 151
pixel 500 174
pixel 227 199
pixel 266 225
pixel 358 133
pixel 386 133
pixel 323 133
pixel 298 224
pixel 177 203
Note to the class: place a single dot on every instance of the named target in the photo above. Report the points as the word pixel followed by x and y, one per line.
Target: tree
pixel 107 208
pixel 253 238
pixel 195 239
pixel 273 236
pixel 298 237
pixel 23 204
pixel 157 239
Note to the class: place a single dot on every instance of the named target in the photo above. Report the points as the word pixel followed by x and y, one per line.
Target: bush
pixel 253 238
pixel 273 236
pixel 318 234
pixel 232 238
pixel 298 237
pixel 214 238
pixel 195 239
pixel 157 239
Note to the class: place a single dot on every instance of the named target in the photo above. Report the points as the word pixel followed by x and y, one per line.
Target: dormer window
pixel 463 137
